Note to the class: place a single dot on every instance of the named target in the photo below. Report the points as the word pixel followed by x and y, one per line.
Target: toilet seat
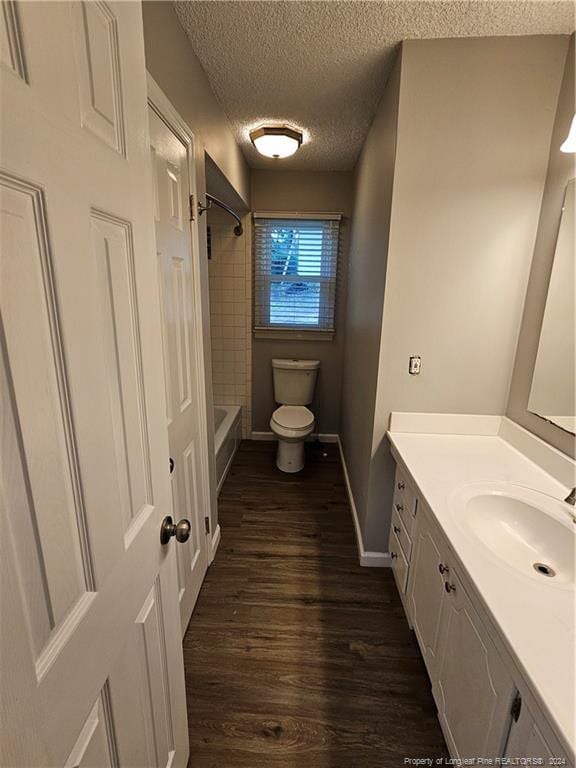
pixel 295 418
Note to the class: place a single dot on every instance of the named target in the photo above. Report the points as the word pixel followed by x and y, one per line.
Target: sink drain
pixel 544 570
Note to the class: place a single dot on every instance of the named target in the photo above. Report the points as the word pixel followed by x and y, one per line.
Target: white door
pixel 473 689
pixel 172 154
pixel 91 672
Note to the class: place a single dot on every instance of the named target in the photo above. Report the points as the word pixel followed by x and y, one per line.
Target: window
pixel 295 272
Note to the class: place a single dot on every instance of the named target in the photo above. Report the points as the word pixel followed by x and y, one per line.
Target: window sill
pixel 296 335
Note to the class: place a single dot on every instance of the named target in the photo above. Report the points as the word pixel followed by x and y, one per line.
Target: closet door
pixel 92 670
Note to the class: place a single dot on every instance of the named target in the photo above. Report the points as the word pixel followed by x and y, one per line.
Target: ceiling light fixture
pixel 570 143
pixel 276 140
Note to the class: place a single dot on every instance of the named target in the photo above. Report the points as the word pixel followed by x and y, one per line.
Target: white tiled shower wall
pixel 230 275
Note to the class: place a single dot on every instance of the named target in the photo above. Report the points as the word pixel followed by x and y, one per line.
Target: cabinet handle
pixel 400 486
pixel 449 587
pixel 443 568
pixel 393 555
pixel 396 529
pixel 400 507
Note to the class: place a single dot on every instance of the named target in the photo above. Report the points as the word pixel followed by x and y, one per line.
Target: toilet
pixel 292 422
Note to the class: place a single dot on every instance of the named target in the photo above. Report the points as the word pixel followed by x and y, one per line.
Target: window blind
pixel 296 261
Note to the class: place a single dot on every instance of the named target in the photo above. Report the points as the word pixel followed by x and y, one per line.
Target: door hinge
pixel 207 524
pixel 192 208
pixel 516 707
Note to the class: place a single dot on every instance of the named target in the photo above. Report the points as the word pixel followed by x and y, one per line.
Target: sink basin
pixel 528 530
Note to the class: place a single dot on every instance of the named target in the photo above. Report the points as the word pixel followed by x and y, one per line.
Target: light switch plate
pixel 414 365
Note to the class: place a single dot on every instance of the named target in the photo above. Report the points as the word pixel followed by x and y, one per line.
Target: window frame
pixel 312 333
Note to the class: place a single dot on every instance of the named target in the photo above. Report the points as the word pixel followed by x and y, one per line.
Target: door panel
pixel 481 685
pixel 154 674
pixel 84 479
pixel 121 349
pixel 426 592
pixel 96 744
pixel 42 455
pixel 11 48
pixel 99 78
pixel 170 153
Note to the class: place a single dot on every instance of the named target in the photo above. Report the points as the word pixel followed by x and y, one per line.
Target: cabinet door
pixel 472 688
pixel 426 591
pixel 527 740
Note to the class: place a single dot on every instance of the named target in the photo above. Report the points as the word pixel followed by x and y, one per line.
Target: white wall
pixel 474 126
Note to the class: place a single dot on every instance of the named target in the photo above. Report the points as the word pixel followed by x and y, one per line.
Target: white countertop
pixel 536 621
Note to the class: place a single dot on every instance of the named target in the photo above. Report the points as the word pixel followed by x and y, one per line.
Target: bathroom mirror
pixel 552 394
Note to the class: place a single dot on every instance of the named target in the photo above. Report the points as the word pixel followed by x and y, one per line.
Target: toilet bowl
pixel 291 424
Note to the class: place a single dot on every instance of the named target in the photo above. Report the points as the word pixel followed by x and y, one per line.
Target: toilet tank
pixel 294 381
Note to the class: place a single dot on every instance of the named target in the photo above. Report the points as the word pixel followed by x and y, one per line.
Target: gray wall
pixel 328 191
pixel 172 62
pixel 365 300
pixel 474 126
pixel 561 168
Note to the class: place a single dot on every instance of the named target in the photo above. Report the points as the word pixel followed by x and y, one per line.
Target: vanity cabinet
pixel 405 502
pixel 474 686
pixel 404 507
pixel 526 738
pixel 471 687
pixel 426 590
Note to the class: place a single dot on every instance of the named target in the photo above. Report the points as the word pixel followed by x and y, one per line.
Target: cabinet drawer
pixel 399 563
pixel 399 530
pixel 404 501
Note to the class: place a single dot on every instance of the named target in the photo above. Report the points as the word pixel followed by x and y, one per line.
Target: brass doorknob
pixel 181 530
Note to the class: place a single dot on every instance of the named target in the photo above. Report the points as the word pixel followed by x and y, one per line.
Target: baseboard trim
pixel 214 543
pixel 366 558
pixel 324 437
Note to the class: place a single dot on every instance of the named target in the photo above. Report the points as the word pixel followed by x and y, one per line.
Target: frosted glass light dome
pixel 276 141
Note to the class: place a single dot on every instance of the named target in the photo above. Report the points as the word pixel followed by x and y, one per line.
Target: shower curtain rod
pixel 238 229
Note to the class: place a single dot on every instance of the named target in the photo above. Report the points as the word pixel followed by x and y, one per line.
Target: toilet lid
pixel 293 416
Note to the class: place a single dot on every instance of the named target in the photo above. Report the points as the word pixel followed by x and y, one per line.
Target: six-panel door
pixel 171 150
pixel 92 670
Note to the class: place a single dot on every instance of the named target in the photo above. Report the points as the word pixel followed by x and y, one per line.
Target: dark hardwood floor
pixel 295 655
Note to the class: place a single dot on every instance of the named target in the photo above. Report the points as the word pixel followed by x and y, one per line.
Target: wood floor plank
pixel 296 657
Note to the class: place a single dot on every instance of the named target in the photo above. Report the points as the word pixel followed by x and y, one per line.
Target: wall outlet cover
pixel 414 365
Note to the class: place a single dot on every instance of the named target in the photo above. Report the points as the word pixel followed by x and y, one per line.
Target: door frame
pixel 201 355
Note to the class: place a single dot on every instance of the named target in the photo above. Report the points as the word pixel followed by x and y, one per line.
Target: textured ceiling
pixel 321 66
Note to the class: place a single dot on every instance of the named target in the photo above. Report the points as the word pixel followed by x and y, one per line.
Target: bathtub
pixel 227 436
